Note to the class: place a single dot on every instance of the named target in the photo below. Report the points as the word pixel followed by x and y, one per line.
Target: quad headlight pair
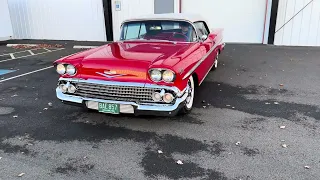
pixel 158 75
pixel 66 69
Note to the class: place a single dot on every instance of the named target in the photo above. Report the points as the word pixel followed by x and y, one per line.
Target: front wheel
pixel 190 98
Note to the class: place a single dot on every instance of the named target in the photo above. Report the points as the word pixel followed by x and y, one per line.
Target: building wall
pixel 58 20
pixel 5 22
pixel 304 27
pixel 243 21
pixel 134 8
pixel 128 9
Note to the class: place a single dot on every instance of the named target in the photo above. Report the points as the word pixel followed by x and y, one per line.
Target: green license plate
pixel 109 108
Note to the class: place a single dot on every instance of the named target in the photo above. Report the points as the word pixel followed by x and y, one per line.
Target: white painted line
pixel 47 49
pixel 84 47
pixel 30 55
pixel 12 56
pixel 31 52
pixel 19 52
pixel 14 77
pixel 11 45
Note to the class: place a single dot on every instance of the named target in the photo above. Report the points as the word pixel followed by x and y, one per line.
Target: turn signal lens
pixel 168 76
pixel 168 98
pixel 155 75
pixel 71 70
pixel 61 69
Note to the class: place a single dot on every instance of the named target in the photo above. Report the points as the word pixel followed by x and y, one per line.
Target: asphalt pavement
pixel 255 117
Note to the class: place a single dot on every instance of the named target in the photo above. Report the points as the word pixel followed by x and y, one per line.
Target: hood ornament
pixel 110 74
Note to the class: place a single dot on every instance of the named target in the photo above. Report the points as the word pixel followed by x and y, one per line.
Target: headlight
pixel 71 70
pixel 61 69
pixel 168 76
pixel 155 75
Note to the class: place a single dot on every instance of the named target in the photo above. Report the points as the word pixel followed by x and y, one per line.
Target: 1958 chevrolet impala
pixel 152 70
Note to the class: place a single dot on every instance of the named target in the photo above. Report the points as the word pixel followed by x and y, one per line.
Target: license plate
pixel 109 108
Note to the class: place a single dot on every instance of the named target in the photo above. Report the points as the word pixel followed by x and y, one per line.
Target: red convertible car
pixel 153 69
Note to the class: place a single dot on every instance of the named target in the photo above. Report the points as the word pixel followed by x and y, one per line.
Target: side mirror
pixel 204 37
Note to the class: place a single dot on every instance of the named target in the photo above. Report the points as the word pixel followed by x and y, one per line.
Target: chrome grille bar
pixel 116 92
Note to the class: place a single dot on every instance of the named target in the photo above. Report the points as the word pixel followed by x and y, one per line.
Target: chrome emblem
pixel 110 74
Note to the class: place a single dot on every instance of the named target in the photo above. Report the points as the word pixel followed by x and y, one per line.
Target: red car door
pixel 207 50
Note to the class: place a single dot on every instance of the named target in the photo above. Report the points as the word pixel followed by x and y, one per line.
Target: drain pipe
pixel 265 20
pixel 180 4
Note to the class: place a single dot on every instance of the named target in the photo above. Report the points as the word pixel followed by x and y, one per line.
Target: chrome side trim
pixel 178 92
pixel 206 74
pixel 201 60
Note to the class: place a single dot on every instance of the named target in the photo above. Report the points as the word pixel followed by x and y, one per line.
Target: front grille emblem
pixel 110 74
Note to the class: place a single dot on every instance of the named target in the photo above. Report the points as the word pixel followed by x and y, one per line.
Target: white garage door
pixel 243 20
pixel 58 19
pixel 298 23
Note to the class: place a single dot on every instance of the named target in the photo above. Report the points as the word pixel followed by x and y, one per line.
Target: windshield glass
pixel 158 30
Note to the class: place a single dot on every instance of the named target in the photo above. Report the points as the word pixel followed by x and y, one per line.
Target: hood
pixel 123 61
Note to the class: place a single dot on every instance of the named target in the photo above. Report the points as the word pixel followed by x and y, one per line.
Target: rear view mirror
pixel 204 37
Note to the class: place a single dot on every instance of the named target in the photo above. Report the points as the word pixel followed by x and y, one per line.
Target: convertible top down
pixel 154 68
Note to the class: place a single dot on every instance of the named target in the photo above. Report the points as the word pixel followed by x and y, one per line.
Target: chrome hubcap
pixel 189 100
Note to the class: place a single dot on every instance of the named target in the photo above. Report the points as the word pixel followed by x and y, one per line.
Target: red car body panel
pixel 135 58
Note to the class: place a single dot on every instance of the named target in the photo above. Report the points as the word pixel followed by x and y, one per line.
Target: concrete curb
pixel 11 45
pixel 84 47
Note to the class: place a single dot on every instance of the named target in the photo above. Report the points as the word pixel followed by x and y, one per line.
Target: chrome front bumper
pixel 127 107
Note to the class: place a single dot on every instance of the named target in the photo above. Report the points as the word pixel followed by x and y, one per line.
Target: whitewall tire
pixel 190 99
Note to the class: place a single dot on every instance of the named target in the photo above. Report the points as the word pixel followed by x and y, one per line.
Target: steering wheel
pixel 181 35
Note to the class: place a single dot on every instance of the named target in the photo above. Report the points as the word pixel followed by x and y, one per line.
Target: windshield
pixel 158 30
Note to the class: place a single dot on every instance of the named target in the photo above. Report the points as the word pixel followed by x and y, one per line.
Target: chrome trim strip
pixel 146 106
pixel 201 60
pixel 130 84
pixel 206 75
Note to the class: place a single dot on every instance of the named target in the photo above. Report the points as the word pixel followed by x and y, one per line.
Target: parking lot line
pixel 19 51
pixel 28 55
pixel 31 52
pixel 14 77
pixel 12 56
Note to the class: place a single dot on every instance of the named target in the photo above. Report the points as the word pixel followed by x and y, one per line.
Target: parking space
pixel 28 60
pixel 256 117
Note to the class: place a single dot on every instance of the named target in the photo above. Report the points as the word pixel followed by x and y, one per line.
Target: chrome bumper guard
pixel 125 106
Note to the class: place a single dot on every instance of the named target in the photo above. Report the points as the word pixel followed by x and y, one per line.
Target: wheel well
pixel 196 79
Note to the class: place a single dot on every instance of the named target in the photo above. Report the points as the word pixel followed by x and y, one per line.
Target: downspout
pixel 180 4
pixel 265 21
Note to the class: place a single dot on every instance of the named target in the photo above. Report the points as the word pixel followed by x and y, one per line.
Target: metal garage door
pixel 298 23
pixel 243 21
pixel 58 19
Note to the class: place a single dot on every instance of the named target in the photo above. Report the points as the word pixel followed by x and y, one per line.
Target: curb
pixel 84 47
pixel 11 45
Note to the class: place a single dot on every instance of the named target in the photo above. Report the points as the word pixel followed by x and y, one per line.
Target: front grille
pixel 114 92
